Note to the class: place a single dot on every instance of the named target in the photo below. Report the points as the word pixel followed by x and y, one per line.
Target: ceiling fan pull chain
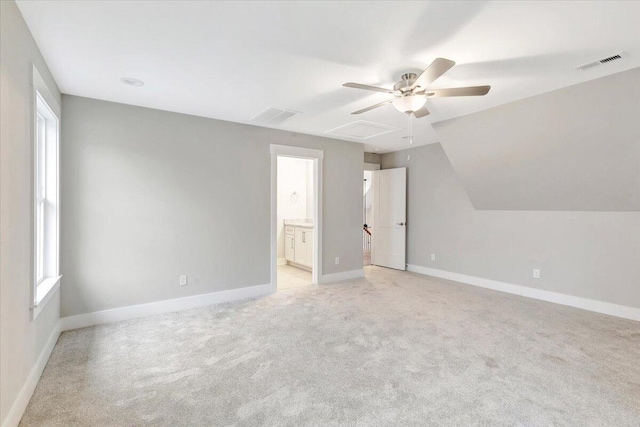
pixel 410 136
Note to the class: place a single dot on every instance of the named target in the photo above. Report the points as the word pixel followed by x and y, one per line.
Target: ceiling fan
pixel 411 92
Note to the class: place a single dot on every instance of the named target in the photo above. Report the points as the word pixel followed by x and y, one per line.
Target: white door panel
pixel 390 210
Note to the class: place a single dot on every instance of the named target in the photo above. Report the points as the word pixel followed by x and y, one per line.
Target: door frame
pixel 317 157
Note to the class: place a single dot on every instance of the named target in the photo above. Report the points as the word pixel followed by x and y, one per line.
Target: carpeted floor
pixel 391 349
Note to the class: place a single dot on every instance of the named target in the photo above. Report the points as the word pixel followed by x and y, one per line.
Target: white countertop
pixel 306 223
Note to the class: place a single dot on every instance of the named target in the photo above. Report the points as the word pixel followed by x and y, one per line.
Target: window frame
pixel 45 195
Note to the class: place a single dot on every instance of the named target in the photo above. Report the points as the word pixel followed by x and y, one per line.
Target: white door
pixel 390 211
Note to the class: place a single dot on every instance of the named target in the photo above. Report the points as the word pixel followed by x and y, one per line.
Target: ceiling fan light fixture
pixel 409 103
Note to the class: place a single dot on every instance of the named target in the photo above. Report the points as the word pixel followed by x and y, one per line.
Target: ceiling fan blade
pixel 364 110
pixel 458 91
pixel 421 112
pixel 367 87
pixel 437 68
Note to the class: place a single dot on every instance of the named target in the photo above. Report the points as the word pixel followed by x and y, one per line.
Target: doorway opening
pixel 295 222
pixel 296 217
pixel 367 212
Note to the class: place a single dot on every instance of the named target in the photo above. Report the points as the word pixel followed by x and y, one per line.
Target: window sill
pixel 44 292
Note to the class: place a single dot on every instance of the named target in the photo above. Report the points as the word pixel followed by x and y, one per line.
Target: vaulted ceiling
pixel 572 149
pixel 231 60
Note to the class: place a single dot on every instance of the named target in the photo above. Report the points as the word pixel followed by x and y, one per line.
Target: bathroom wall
pixel 310 189
pixel 294 176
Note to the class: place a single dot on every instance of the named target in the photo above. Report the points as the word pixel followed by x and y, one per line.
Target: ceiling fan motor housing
pixel 404 85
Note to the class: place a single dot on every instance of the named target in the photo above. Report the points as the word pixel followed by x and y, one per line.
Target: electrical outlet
pixel 536 273
pixel 337 260
pixel 433 257
pixel 183 280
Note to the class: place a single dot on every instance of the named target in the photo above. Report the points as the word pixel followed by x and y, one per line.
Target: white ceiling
pixel 231 60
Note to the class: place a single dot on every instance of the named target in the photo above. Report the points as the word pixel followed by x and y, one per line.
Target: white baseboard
pixel 611 309
pixel 344 275
pixel 281 261
pixel 21 402
pixel 159 307
pixel 300 266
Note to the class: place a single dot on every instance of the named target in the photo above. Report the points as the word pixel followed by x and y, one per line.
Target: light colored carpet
pixel 391 349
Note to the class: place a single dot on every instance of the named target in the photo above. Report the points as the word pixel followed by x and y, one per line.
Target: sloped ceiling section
pixel 573 149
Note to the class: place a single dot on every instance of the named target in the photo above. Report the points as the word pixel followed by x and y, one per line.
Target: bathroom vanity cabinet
pixel 298 245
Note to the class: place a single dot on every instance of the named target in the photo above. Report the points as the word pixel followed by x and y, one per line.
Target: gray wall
pixel 150 195
pixel 372 158
pixel 587 254
pixel 572 149
pixel 21 339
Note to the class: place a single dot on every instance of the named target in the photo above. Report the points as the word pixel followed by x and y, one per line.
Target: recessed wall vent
pixel 601 61
pixel 273 116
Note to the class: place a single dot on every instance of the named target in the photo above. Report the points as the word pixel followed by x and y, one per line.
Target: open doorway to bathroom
pixel 296 220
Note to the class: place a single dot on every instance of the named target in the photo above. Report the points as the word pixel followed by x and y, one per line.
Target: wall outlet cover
pixel 337 260
pixel 536 273
pixel 183 280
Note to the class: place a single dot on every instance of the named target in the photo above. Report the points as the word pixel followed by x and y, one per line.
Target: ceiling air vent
pixel 362 130
pixel 273 116
pixel 601 61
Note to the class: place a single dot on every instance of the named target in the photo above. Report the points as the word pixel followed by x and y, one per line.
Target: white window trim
pixel 43 289
pixel 44 292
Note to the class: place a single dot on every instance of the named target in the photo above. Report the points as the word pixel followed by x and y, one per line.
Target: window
pixel 41 193
pixel 46 206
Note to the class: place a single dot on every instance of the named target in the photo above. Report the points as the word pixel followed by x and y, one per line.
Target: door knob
pixel 400 223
